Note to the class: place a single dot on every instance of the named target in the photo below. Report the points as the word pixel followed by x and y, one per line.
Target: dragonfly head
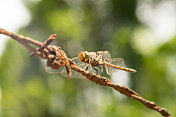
pixel 81 56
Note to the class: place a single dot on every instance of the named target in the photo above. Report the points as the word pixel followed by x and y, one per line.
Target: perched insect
pixel 94 62
pixel 103 59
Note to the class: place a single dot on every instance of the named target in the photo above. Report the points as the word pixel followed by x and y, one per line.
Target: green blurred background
pixel 113 25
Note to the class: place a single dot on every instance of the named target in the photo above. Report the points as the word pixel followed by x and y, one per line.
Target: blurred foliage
pixel 91 25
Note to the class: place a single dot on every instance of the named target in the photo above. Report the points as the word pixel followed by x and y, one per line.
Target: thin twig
pixel 57 58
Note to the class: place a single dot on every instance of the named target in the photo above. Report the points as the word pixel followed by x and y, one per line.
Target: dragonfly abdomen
pixel 120 68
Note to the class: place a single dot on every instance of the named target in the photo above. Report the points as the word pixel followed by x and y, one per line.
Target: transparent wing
pixel 53 71
pixel 114 61
pixel 62 71
pixel 49 69
pixel 79 63
pixel 96 70
pixel 106 55
pixel 74 73
pixel 118 62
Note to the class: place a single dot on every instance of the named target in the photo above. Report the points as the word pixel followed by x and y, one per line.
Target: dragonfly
pixel 95 62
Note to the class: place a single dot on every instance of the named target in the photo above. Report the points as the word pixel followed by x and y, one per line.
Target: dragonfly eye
pixel 81 56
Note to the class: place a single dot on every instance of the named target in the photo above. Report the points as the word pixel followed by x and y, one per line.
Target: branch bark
pixel 57 58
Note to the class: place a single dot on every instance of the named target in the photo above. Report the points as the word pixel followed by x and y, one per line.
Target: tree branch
pixel 57 58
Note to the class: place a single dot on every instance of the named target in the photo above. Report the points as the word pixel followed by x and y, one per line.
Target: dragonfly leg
pixel 87 67
pixel 95 69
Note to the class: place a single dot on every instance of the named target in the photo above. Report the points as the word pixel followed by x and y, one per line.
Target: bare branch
pixel 57 58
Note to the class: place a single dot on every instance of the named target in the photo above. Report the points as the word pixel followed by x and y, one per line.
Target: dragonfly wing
pixel 74 73
pixel 96 70
pixel 77 61
pixel 62 71
pixel 106 55
pixel 53 71
pixel 118 62
pixel 114 61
